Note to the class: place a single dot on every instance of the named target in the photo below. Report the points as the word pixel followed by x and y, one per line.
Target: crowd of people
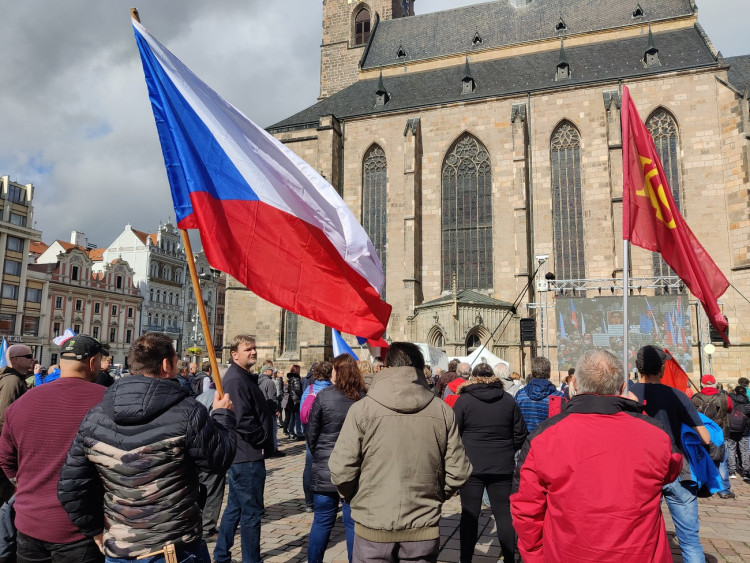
pixel 136 469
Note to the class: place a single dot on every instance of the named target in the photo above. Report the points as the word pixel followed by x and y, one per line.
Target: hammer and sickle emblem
pixel 654 191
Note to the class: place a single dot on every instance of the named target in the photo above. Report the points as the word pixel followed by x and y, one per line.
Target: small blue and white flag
pixel 4 354
pixel 64 337
pixel 340 346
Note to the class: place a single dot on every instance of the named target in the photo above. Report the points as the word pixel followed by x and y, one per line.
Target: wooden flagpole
pixel 197 288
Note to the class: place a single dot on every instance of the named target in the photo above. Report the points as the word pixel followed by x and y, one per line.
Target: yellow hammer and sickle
pixel 658 199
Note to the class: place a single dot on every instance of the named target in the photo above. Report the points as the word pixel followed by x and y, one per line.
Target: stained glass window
pixel 467 215
pixel 567 202
pixel 663 128
pixel 375 200
pixel 291 343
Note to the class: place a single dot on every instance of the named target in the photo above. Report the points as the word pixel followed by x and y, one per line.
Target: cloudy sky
pixel 75 119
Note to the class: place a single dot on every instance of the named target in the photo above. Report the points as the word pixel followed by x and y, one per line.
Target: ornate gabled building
pixel 98 299
pixel 473 143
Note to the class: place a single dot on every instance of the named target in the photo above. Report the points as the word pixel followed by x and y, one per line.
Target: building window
pixel 97 308
pixel 151 294
pixel 567 203
pixel 472 343
pixel 467 215
pixel 75 273
pixel 362 27
pixel 7 323
pixel 77 328
pixel 53 359
pixel 663 128
pixel 17 194
pixel 150 318
pixel 171 297
pixel 18 219
pixel 112 334
pixel 33 295
pixel 177 299
pixel 290 332
pixel 30 326
pixel 114 310
pixel 12 267
pixel 56 329
pixel 95 332
pixel 128 336
pixel 130 312
pixel 158 295
pixel 118 282
pixel 374 200
pixel 79 304
pixel 58 302
pixel 15 244
pixel 10 291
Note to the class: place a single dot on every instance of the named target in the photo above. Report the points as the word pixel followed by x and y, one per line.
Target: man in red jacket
pixel 588 483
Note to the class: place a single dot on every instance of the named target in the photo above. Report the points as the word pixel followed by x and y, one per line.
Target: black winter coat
pixel 133 466
pixel 491 425
pixel 741 404
pixel 326 419
pixel 294 385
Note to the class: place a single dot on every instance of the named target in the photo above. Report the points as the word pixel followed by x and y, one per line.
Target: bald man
pixel 13 385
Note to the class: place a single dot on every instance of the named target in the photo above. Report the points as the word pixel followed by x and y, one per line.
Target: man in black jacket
pixel 247 476
pixel 130 480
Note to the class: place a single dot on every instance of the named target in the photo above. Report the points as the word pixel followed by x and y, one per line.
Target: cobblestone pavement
pixel 725 524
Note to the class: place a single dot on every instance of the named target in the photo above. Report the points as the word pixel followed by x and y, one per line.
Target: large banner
pixel 597 322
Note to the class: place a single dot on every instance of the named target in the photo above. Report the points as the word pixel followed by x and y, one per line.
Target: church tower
pixel 347 26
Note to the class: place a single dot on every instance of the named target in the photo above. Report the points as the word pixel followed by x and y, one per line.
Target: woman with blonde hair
pixel 365 368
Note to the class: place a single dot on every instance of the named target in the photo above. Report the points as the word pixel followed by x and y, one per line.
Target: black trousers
pixel 498 489
pixel 215 485
pixel 32 550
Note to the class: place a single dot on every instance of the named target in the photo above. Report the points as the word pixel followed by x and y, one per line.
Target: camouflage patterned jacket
pixel 132 470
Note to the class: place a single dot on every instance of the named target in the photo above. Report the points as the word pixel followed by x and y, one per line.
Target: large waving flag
pixel 340 346
pixel 257 203
pixel 64 337
pixel 651 220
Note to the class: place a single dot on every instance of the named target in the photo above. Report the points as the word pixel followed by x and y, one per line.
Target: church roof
pixel 608 61
pixel 499 24
pixel 467 297
pixel 739 72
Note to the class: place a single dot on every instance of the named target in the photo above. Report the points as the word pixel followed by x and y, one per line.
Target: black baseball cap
pixel 650 359
pixel 81 347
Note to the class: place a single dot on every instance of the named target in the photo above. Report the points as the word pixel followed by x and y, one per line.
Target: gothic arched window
pixel 362 27
pixel 567 202
pixel 663 128
pixel 467 215
pixel 291 343
pixel 374 200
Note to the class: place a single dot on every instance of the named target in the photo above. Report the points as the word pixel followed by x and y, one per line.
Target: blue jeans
pixel 244 506
pixel 724 470
pixel 197 552
pixel 295 424
pixel 326 507
pixel 683 506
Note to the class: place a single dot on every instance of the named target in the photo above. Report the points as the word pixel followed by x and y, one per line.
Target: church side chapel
pixel 480 148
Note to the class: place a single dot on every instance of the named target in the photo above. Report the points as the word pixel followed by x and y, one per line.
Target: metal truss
pixel 666 284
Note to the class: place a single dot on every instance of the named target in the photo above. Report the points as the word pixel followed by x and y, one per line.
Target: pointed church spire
pixel 381 93
pixel 563 68
pixel 651 56
pixel 467 70
pixel 468 83
pixel 563 56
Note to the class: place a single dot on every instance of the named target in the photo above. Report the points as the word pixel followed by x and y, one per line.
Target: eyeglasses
pixel 27 356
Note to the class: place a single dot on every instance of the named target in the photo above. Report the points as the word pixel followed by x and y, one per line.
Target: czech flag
pixel 256 203
pixel 340 346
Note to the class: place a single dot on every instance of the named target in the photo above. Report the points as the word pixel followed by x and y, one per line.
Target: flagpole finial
pixel 134 14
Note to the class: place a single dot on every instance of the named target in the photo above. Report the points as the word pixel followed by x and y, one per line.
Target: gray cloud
pixel 76 119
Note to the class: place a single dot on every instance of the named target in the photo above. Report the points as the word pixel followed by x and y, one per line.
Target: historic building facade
pixel 481 144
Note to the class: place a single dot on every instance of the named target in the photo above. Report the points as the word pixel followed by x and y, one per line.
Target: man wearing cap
pixel 34 452
pixel 717 407
pixel 131 476
pixel 673 408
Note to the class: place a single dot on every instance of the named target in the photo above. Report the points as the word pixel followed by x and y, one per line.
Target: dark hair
pixel 348 377
pixel 322 371
pixel 148 352
pixel 206 366
pixel 452 365
pixel 540 367
pixel 572 371
pixel 234 345
pixel 744 381
pixel 401 354
pixel 482 370
pixel 739 390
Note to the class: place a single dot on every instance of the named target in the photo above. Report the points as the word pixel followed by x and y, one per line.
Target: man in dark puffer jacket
pixel 132 470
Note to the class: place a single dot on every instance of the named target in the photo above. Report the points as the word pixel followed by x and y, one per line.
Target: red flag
pixel 674 375
pixel 651 220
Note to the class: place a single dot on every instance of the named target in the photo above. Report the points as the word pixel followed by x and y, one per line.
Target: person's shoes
pixel 212 536
pixel 730 494
pixel 277 453
pixel 300 438
pixel 733 476
pixel 308 508
pixel 286 432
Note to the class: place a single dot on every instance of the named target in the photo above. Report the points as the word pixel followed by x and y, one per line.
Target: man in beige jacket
pixel 398 458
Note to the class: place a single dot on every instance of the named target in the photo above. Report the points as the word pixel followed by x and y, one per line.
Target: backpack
pixel 710 405
pixel 737 421
pixel 304 410
pixel 196 383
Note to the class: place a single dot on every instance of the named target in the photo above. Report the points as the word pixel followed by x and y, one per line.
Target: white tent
pixel 482 355
pixel 433 357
